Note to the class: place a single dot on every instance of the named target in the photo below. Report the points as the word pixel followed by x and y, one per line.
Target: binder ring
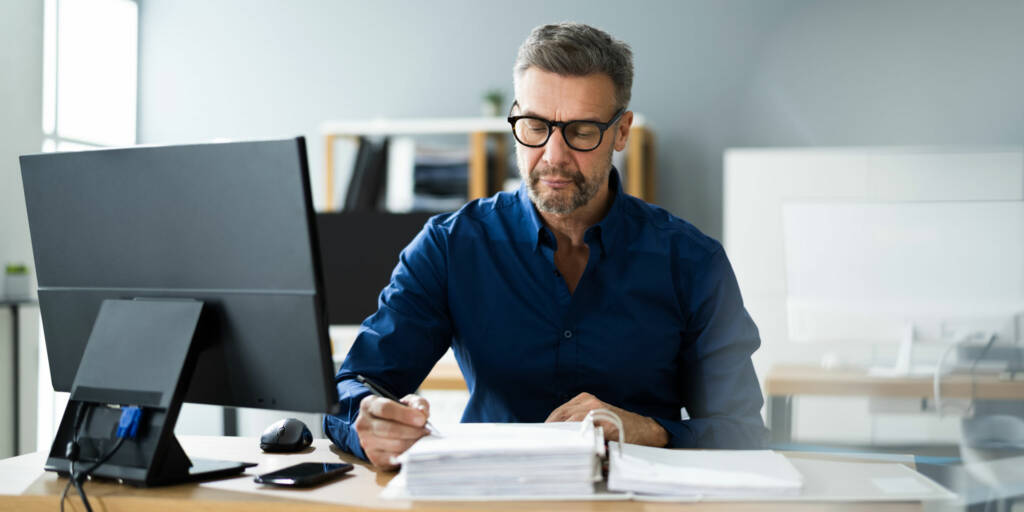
pixel 608 415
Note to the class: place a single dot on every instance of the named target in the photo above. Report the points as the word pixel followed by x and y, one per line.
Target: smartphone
pixel 306 474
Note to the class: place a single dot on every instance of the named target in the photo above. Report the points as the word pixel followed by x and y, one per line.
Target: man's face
pixel 560 179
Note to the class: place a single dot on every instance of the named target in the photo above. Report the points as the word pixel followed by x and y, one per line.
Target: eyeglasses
pixel 534 132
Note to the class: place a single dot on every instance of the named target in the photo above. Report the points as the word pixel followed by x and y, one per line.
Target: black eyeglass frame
pixel 561 126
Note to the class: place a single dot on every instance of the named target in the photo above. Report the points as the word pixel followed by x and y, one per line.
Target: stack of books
pixel 493 460
pixel 425 178
pixel 734 473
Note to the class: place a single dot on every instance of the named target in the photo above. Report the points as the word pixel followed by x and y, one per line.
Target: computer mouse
pixel 287 435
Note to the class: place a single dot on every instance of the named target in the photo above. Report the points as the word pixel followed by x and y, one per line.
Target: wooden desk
pixel 784 382
pixel 24 486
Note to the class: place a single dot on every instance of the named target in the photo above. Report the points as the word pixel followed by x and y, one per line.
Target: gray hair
pixel 574 49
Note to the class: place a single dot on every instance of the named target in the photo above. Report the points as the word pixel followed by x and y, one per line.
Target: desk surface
pixel 24 486
pixel 793 379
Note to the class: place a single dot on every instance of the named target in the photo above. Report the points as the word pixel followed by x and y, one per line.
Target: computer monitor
pixel 900 272
pixel 176 273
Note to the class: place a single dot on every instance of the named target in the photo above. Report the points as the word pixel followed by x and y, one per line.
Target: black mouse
pixel 287 435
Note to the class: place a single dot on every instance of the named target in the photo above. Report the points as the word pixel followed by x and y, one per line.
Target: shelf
pixel 639 175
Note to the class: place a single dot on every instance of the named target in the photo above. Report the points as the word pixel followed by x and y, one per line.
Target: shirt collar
pixel 605 230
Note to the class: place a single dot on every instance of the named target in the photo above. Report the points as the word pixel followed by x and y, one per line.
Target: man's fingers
pixel 577 408
pixel 578 415
pixel 394 411
pixel 556 415
pixel 394 430
pixel 417 402
pixel 392 446
pixel 381 459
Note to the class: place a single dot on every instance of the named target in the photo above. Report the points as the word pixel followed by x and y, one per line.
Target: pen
pixel 378 390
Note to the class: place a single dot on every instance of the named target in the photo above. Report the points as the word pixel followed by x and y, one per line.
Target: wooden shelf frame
pixel 479 130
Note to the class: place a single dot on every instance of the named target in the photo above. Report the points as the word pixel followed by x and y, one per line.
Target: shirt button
pixel 567 334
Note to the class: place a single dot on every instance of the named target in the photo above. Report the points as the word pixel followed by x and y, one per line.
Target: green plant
pixel 495 97
pixel 16 269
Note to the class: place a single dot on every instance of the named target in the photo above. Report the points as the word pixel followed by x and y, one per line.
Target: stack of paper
pixel 647 470
pixel 485 459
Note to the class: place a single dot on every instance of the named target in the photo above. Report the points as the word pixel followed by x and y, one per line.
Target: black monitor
pixel 170 274
pixel 359 251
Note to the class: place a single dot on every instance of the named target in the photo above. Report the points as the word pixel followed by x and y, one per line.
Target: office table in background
pixel 446 375
pixel 24 486
pixel 784 382
pixel 13 305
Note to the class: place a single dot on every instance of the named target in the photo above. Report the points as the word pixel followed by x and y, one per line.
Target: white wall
pixel 21 76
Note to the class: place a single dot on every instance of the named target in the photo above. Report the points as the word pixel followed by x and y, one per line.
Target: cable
pixel 71 451
pixel 79 478
pixel 127 428
pixel 85 474
pixel 937 378
pixel 974 378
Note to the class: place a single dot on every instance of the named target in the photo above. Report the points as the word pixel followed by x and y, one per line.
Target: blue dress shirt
pixel 656 323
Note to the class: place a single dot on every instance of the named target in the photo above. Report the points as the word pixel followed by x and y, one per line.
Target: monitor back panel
pixel 228 224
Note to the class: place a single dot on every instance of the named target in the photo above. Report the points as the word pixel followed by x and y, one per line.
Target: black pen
pixel 378 390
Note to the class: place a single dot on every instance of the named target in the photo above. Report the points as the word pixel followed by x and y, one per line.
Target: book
pixel 401 179
pixel 494 459
pixel 366 185
pixel 647 470
pixel 514 461
pixel 425 178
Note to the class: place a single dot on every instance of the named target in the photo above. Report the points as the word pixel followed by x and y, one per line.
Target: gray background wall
pixel 21 131
pixel 710 74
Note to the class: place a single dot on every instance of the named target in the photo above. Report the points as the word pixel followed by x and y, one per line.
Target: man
pixel 566 296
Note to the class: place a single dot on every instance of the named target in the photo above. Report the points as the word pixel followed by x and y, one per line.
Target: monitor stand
pixel 904 359
pixel 140 352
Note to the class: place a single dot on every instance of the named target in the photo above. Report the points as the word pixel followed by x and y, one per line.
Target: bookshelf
pixel 639 161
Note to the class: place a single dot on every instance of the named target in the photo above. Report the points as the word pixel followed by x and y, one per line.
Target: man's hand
pixel 639 429
pixel 387 428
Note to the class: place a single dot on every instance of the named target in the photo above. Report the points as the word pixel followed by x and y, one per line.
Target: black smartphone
pixel 305 474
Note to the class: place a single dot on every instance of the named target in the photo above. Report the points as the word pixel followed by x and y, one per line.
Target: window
pixel 90 50
pixel 90 73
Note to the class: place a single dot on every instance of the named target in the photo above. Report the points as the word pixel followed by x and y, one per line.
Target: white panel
pixel 946 176
pixel 831 419
pixel 860 271
pixel 904 429
pixel 757 182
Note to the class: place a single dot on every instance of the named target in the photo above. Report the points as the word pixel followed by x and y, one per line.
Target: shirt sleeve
pixel 398 345
pixel 719 387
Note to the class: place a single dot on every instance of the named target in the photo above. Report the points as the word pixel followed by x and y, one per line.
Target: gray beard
pixel 557 204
